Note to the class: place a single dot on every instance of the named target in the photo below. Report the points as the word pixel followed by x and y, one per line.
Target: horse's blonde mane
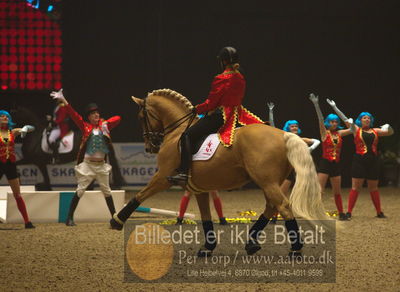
pixel 173 94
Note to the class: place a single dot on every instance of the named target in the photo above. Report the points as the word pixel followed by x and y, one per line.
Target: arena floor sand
pixel 90 257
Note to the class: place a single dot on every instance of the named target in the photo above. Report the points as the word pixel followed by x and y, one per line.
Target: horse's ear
pixel 139 101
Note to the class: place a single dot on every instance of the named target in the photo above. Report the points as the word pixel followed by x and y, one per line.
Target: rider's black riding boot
pixel 186 159
pixel 72 207
pixel 110 204
pixel 54 147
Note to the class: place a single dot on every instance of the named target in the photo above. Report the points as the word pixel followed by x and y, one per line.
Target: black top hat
pixel 91 107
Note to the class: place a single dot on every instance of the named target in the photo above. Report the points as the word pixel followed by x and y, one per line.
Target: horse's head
pixel 153 131
pixel 161 113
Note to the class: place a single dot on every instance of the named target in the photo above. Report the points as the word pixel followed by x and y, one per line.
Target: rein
pixel 156 137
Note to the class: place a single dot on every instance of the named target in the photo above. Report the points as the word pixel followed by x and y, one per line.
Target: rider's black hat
pixel 227 56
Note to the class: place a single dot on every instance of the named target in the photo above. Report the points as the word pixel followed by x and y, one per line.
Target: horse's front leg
pixel 208 228
pixel 157 184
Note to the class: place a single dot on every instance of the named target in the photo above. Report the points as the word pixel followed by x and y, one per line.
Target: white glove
pixel 331 102
pixel 313 98
pixel 270 105
pixel 59 95
pixel 25 129
pixel 350 121
pixel 104 128
pixel 385 127
pixel 314 145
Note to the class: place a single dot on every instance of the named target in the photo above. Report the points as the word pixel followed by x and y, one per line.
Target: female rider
pixel 223 109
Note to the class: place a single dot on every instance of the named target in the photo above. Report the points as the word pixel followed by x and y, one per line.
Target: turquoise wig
pixel 289 123
pixel 358 121
pixel 10 122
pixel 332 117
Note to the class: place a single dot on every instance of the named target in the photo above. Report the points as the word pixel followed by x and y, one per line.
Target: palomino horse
pixel 259 153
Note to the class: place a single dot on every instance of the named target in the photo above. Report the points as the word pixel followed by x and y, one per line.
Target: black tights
pixel 205 126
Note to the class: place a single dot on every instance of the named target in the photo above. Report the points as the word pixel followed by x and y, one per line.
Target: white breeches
pixel 88 171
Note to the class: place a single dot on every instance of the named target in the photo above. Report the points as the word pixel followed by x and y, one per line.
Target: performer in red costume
pixel 60 118
pixel 96 143
pixel 329 165
pixel 223 109
pixel 7 159
pixel 365 161
pixel 217 204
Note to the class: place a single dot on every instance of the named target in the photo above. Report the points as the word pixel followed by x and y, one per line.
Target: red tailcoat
pixel 87 128
pixel 60 118
pixel 227 92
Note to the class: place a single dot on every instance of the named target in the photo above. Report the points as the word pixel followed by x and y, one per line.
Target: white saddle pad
pixel 66 144
pixel 208 148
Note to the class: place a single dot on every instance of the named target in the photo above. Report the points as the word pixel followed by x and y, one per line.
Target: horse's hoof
pixel 252 247
pixel 115 225
pixel 204 253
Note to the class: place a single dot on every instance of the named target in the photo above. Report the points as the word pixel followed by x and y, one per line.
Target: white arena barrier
pixel 52 207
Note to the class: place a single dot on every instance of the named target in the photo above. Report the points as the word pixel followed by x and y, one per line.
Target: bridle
pixel 156 138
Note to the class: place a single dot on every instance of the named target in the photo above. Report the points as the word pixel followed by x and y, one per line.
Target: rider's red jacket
pixel 227 92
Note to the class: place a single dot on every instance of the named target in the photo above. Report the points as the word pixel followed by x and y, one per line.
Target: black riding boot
pixel 186 159
pixel 72 207
pixel 110 204
pixel 54 147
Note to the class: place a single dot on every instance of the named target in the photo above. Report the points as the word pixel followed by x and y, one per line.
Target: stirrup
pixel 180 178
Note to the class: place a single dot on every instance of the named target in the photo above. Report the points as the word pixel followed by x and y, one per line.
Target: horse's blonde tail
pixel 305 198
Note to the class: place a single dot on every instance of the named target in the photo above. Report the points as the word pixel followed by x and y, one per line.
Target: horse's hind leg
pixel 252 245
pixel 275 201
pixel 278 199
pixel 208 228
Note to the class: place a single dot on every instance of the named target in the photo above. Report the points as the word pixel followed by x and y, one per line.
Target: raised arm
pixel 348 122
pixel 322 129
pixel 271 114
pixel 77 118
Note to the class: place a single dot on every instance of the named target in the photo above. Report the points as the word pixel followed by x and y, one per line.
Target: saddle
pixel 205 148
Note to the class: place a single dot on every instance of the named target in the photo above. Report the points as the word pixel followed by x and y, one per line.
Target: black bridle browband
pixel 156 137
